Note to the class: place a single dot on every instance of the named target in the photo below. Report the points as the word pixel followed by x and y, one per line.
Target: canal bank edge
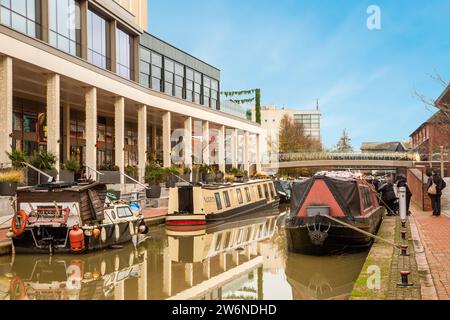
pixel 387 260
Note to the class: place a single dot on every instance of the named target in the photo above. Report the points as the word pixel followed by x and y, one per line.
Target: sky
pixel 298 51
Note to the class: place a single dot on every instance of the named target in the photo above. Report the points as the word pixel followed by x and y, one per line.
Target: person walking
pixel 388 197
pixel 403 183
pixel 435 186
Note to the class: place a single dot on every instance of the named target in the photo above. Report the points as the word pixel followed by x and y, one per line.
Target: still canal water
pixel 245 259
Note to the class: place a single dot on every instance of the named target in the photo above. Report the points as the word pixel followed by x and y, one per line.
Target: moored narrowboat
pixel 326 209
pixel 71 218
pixel 197 205
pixel 283 189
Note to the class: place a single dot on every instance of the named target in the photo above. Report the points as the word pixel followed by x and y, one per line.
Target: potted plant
pixel 154 176
pixel 132 171
pixel 207 173
pixel 110 173
pixel 172 176
pixel 17 158
pixel 44 161
pixel 9 180
pixel 69 170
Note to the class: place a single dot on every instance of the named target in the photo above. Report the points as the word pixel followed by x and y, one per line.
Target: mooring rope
pixel 362 231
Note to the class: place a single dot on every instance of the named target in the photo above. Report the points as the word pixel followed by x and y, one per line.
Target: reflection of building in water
pixel 222 262
pixel 274 261
pixel 109 276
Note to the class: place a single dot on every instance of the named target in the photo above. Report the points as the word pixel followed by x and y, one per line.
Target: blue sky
pixel 298 51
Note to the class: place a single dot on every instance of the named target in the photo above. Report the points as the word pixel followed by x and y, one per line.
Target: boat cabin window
pixel 218 201
pixel 367 200
pixel 218 241
pixel 249 234
pixel 113 215
pixel 260 192
pixel 227 240
pixel 124 212
pixel 247 192
pixel 239 195
pixel 226 197
pixel 266 191
pixel 240 236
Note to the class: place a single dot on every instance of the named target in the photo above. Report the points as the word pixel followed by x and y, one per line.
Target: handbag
pixel 432 190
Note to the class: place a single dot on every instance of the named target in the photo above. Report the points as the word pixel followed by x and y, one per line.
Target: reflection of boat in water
pixel 329 277
pixel 198 205
pixel 222 261
pixel 68 218
pixel 87 277
pixel 323 207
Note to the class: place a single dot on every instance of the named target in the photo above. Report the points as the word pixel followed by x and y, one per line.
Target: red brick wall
pixel 417 183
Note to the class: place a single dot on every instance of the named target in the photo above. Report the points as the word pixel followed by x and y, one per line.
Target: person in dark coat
pixel 402 183
pixel 388 197
pixel 436 196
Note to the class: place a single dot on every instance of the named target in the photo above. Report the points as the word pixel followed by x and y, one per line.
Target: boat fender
pixel 117 232
pixel 143 229
pixel 76 237
pixel 103 234
pixel 19 223
pixel 131 226
pixel 96 233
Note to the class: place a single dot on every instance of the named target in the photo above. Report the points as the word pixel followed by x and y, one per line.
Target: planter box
pixel 8 188
pixel 66 176
pixel 110 177
pixel 34 178
pixel 154 192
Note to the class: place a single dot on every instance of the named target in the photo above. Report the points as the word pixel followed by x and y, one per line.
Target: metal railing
pixel 98 173
pixel 134 180
pixel 311 156
pixel 50 178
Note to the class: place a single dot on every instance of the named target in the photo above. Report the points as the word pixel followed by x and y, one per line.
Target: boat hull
pixel 57 241
pixel 320 236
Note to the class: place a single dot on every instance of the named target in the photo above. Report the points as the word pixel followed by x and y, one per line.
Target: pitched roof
pixel 385 146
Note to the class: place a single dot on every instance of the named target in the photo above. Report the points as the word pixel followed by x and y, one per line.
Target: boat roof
pixel 339 175
pixel 232 184
pixel 61 186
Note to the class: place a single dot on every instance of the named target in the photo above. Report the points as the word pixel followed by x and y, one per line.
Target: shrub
pixel 132 171
pixel 43 160
pixel 108 167
pixel 72 165
pixel 12 176
pixel 17 158
pixel 154 174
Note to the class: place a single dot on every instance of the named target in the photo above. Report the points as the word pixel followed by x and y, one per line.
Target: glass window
pixel 260 192
pixel 98 41
pixel 266 192
pixel 218 241
pixel 272 190
pixel 239 195
pixel 124 212
pixel 218 201
pixel 169 74
pixel 123 53
pixel 64 19
pixel 22 15
pixel 226 197
pixel 206 91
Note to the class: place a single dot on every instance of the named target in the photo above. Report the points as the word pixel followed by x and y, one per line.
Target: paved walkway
pixel 435 236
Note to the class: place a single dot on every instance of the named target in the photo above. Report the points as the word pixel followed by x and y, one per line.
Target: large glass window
pixel 123 52
pixel 206 91
pixel 179 80
pixel 197 87
pixel 189 84
pixel 65 33
pixel 214 94
pixel 150 67
pixel 98 41
pixel 169 73
pixel 22 15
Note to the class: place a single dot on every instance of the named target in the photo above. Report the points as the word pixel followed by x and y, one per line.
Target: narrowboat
pixel 326 212
pixel 72 218
pixel 283 188
pixel 198 205
pixel 64 277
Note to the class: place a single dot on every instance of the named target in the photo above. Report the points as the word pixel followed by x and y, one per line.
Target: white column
pixel 258 153
pixel 6 107
pixel 205 143
pixel 189 274
pixel 187 139
pixel 142 141
pixel 119 129
pixel 66 132
pixel 222 160
pixel 246 155
pixel 167 128
pixel 91 130
pixel 235 257
pixel 53 116
pixel 234 148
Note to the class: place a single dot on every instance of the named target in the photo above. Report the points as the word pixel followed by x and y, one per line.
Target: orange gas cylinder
pixel 76 236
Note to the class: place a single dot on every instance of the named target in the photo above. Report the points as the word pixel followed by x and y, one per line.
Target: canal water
pixel 245 260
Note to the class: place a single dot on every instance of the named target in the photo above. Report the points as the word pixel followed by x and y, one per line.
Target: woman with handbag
pixel 435 186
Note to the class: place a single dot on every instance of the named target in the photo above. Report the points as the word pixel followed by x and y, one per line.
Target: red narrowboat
pixel 326 209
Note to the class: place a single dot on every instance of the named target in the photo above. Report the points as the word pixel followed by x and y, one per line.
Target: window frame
pixel 218 201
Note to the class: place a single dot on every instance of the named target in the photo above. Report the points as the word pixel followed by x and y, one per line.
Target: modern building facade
pixel 271 117
pixel 84 80
pixel 233 108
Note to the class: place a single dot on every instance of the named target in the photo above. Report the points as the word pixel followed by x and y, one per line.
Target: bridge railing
pixel 311 156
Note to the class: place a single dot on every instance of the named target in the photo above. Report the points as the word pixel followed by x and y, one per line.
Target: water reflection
pixel 244 259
